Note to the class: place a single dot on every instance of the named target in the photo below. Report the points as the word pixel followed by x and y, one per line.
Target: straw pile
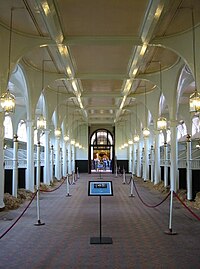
pixel 12 202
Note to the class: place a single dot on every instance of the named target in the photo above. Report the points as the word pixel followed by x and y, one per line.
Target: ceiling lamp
pixel 130 141
pixel 41 123
pixel 145 131
pixel 73 141
pixel 194 100
pixel 66 138
pixel 57 133
pixel 161 122
pixel 136 138
pixel 125 145
pixel 7 100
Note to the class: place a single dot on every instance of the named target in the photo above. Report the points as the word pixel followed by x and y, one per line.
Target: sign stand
pixel 100 188
pixel 100 239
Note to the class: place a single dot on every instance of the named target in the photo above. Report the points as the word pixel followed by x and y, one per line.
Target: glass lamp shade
pixel 7 101
pixel 125 144
pixel 146 132
pixel 122 147
pixel 73 141
pixel 130 141
pixel 41 123
pixel 195 102
pixel 77 144
pixel 161 123
pixel 136 138
pixel 66 138
pixel 57 132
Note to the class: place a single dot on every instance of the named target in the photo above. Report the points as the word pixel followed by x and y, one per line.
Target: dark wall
pixel 123 164
pixel 195 182
pixel 182 178
pixel 8 181
pixel 82 166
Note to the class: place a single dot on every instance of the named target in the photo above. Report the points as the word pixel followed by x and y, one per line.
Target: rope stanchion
pixel 73 178
pixel 170 231
pixel 77 173
pixel 151 206
pixel 197 217
pixel 67 188
pixel 55 188
pixel 2 235
pixel 132 195
pixel 124 177
pixel 38 223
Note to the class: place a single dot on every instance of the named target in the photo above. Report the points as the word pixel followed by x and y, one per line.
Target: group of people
pixel 102 164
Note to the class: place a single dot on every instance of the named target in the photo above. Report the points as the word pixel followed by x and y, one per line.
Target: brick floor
pixel 137 231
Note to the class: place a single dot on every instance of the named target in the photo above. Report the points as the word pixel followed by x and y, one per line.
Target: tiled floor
pixel 137 231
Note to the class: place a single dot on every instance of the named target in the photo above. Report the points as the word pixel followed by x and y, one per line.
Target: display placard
pixel 100 188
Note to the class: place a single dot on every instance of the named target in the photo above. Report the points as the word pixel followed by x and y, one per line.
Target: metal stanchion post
pixel 170 232
pixel 73 178
pixel 124 177
pixel 77 172
pixel 132 195
pixel 39 223
pixel 67 187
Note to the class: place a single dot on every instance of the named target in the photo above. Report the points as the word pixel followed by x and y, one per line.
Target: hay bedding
pixel 181 193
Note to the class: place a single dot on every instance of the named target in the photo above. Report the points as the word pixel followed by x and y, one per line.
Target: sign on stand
pixel 100 188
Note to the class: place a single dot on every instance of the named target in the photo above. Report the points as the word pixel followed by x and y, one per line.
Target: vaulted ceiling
pixel 100 46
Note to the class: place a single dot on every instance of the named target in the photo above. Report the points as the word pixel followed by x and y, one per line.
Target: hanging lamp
pixel 57 131
pixel 162 121
pixel 145 130
pixel 41 121
pixel 194 100
pixel 7 99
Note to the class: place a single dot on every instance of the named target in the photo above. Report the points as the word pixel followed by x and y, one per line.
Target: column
pixel 188 167
pixel 69 159
pixel 174 157
pixel 130 159
pixel 133 158
pixel 15 166
pixel 52 164
pixel 73 157
pixel 138 161
pixel 146 160
pixel 152 163
pixel 38 166
pixel 30 172
pixel 2 205
pixel 57 158
pixel 47 168
pixel 157 158
pixel 64 159
pixel 166 165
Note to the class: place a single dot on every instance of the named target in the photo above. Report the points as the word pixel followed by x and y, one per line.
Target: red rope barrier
pixel 2 235
pixel 55 188
pixel 197 217
pixel 151 206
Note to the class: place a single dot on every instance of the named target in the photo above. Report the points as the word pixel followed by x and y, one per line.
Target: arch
pixel 101 147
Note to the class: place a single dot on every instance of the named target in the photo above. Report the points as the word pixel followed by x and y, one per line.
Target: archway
pixel 101 151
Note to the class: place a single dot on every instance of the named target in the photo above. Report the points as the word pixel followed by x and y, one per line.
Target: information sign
pixel 100 188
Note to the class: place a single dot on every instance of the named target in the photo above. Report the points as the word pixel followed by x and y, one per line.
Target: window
pixel 8 128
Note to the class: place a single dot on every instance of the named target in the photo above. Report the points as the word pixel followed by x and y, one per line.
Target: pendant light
pixel 136 137
pixel 57 131
pixel 7 100
pixel 194 100
pixel 145 130
pixel 41 121
pixel 162 121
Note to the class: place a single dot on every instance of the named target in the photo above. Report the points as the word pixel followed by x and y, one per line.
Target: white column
pixel 61 162
pixel 157 159
pixel 69 160
pixel 38 165
pixel 152 164
pixel 2 205
pixel 165 166
pixel 133 158
pixel 30 156
pixel 64 159
pixel 52 164
pixel 47 168
pixel 73 157
pixel 138 161
pixel 189 171
pixel 146 159
pixel 130 159
pixel 174 157
pixel 57 158
pixel 15 166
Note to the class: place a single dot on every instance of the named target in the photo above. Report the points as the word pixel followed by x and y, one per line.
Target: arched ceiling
pixel 94 44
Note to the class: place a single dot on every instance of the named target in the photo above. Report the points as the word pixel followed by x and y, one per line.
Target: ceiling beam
pixel 102 40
